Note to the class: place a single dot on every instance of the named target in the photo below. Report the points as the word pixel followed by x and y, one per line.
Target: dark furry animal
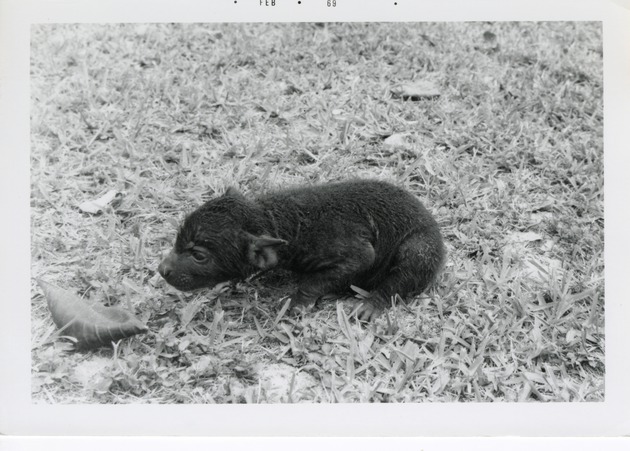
pixel 364 232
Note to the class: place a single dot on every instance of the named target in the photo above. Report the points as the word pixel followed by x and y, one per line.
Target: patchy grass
pixel 509 158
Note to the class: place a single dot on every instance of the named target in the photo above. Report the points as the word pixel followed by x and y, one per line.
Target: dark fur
pixel 364 232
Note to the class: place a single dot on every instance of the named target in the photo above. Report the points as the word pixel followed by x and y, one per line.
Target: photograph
pixel 317 212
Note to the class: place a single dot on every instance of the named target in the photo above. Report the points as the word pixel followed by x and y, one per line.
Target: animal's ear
pixel 262 251
pixel 232 192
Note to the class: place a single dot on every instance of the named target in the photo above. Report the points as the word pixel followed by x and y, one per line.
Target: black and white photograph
pixel 317 212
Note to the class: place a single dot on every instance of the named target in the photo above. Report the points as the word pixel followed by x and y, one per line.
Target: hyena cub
pixel 363 232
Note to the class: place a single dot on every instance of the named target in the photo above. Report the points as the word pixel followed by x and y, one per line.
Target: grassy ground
pixel 509 158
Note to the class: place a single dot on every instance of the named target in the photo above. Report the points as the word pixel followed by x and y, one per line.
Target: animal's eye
pixel 199 256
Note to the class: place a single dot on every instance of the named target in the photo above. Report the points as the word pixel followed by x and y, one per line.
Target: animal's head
pixel 222 240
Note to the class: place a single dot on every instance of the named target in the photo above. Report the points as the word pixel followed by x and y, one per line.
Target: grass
pixel 509 158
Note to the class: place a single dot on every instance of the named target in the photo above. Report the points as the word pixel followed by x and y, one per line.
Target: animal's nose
pixel 165 268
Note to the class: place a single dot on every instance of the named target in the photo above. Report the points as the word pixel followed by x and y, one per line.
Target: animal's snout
pixel 166 266
pixel 164 269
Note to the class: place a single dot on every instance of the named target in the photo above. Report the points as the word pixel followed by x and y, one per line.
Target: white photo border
pixel 18 416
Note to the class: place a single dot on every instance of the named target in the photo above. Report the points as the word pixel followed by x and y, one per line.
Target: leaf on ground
pixel 188 312
pixel 489 36
pixel 92 325
pixel 417 90
pixel 90 372
pixel 95 206
pixel 279 382
pixel 541 269
pixel 523 237
pixel 572 335
pixel 282 311
pixel 490 44
pixel 396 140
pixel 525 392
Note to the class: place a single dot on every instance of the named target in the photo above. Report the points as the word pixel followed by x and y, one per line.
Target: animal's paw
pixel 368 312
pixel 300 309
pixel 301 305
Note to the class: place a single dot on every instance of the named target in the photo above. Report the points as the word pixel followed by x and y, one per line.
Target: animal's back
pixel 388 210
pixel 319 218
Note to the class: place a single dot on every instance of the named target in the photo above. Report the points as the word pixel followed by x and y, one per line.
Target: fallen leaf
pixel 112 197
pixel 523 237
pixel 396 140
pixel 91 325
pixel 539 217
pixel 279 381
pixel 418 90
pixel 90 372
pixel 489 36
pixel 572 335
pixel 542 269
